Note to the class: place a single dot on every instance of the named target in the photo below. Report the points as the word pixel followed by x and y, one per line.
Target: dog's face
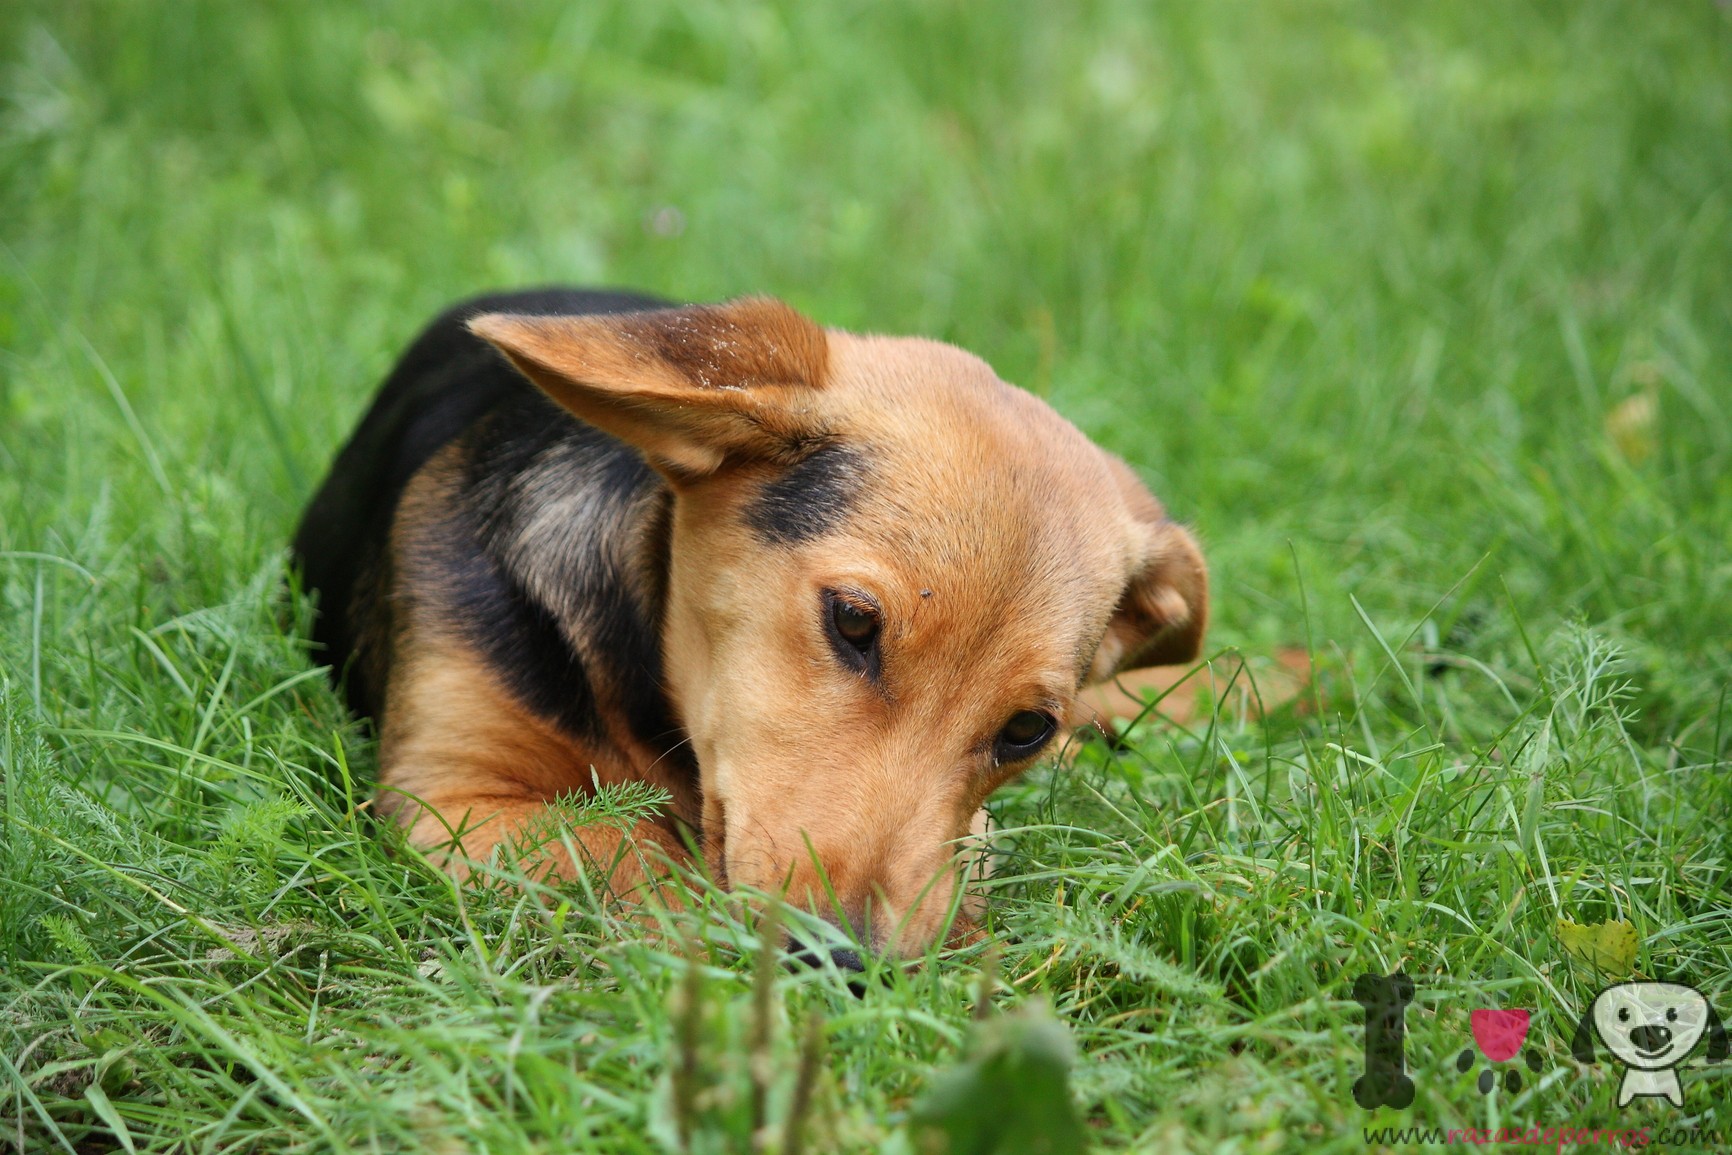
pixel 889 575
pixel 1650 1026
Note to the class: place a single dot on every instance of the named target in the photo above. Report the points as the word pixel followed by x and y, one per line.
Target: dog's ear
pixel 1718 1047
pixel 1582 1046
pixel 1164 608
pixel 691 388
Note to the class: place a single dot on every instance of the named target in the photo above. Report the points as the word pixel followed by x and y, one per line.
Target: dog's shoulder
pixel 448 382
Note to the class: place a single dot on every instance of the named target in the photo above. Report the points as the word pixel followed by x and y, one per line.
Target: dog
pixel 828 591
pixel 1650 1028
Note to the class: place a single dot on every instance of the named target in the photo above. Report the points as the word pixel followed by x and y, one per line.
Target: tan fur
pixel 704 383
pixel 1012 559
pixel 459 752
pixel 468 766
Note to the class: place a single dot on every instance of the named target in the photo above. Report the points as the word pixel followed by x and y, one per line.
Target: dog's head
pixel 890 574
pixel 1650 1026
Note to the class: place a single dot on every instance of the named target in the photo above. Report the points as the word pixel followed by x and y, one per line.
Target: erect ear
pixel 1164 609
pixel 690 388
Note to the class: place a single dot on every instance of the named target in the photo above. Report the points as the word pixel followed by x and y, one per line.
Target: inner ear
pixel 1164 608
pixel 690 388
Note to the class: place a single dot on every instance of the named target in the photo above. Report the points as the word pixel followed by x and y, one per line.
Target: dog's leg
pixel 462 760
pixel 463 830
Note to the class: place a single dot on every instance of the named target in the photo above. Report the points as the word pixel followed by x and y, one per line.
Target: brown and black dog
pixel 827 590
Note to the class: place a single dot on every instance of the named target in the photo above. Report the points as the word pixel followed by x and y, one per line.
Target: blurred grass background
pixel 1422 315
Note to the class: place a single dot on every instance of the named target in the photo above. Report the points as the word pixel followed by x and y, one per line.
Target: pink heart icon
pixel 1500 1034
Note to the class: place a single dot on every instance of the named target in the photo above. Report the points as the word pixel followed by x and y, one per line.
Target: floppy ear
pixel 690 388
pixel 1718 1047
pixel 1164 609
pixel 1582 1046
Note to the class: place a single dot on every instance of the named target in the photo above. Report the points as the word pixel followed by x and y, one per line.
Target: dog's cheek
pixel 715 841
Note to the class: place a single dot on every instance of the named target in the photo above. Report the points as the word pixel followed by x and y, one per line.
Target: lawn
pixel 1420 314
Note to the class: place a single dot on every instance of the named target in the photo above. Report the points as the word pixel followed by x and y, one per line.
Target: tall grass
pixel 1422 315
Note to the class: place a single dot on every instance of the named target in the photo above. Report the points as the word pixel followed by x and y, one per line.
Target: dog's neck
pixel 590 558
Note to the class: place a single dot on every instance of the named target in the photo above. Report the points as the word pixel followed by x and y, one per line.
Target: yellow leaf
pixel 1609 947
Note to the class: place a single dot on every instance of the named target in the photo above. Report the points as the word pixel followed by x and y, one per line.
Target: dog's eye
pixel 857 625
pixel 853 625
pixel 1623 1014
pixel 1671 1014
pixel 1025 733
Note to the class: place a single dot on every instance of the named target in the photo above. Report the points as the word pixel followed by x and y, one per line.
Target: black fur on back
pixel 451 385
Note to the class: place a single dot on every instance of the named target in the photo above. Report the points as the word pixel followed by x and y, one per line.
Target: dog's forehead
pixel 937 435
pixel 939 482
pixel 915 391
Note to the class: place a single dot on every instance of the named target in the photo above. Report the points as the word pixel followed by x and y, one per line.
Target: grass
pixel 1421 314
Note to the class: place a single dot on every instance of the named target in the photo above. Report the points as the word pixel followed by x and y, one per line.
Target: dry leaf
pixel 1280 677
pixel 1609 947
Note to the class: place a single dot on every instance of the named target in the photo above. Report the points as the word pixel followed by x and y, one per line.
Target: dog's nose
pixel 846 958
pixel 1651 1040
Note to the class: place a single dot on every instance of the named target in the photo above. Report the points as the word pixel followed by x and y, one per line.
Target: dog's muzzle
pixel 846 959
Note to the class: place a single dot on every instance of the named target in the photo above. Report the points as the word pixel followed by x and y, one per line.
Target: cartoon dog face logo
pixel 1650 1028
